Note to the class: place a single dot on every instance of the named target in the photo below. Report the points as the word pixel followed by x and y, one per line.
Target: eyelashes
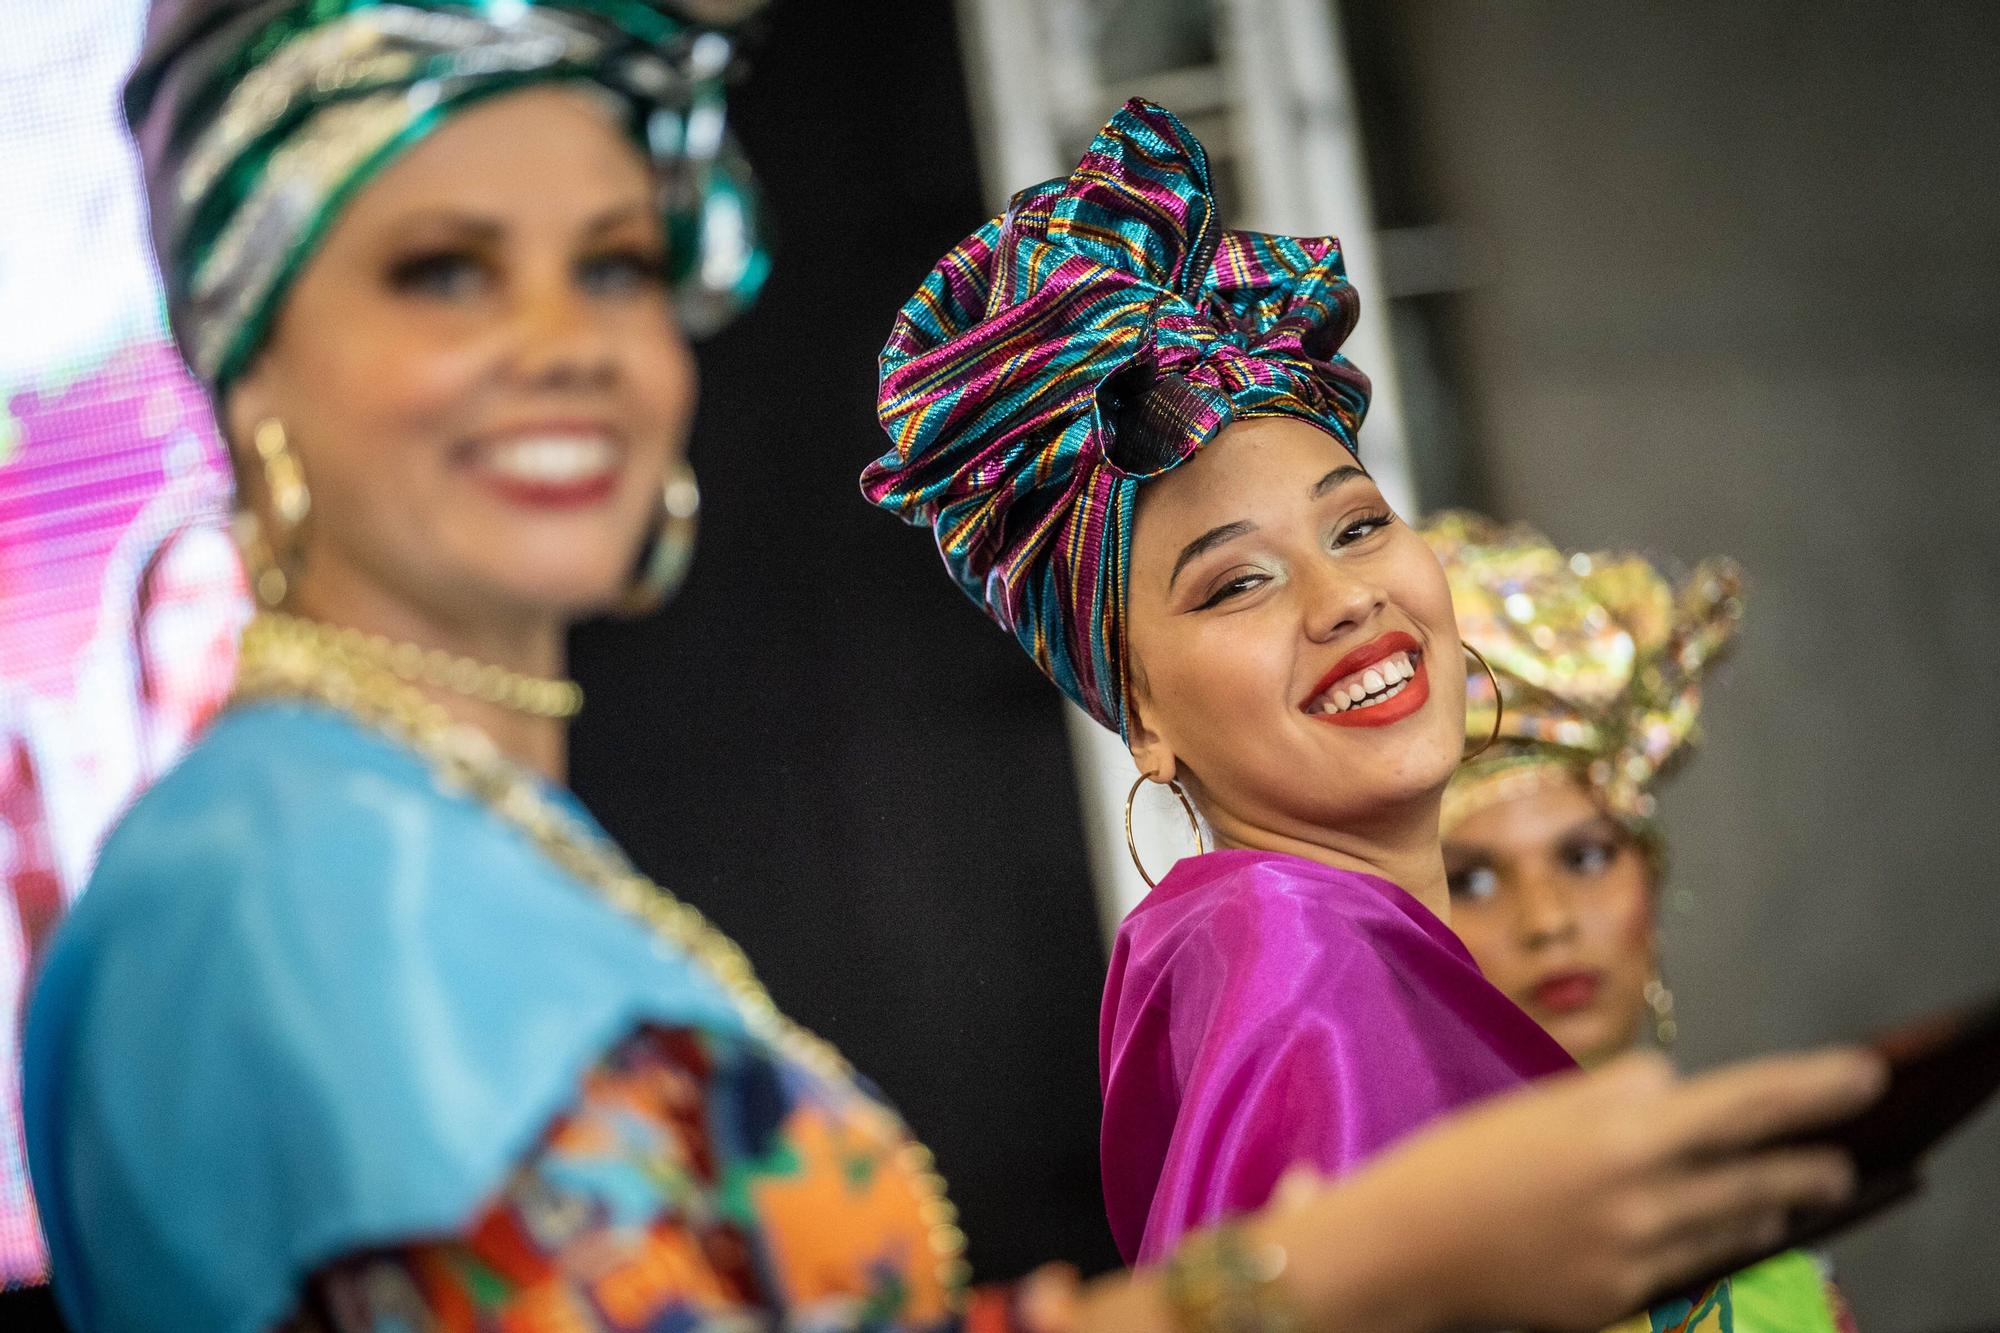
pixel 1359 529
pixel 1586 857
pixel 1240 584
pixel 460 274
pixel 438 273
pixel 624 270
pixel 1373 523
pixel 1476 882
pixel 1590 855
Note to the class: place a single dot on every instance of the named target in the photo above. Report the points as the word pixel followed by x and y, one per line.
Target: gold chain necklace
pixel 285 657
pixel 533 695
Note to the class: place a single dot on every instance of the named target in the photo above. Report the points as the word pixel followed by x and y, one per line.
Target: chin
pixel 1417 777
pixel 1403 761
pixel 564 593
pixel 1590 1038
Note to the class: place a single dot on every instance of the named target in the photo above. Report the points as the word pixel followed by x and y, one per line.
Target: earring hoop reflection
pixel 1498 710
pixel 1661 1001
pixel 1187 807
pixel 672 551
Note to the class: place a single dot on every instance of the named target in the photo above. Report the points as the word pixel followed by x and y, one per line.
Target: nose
pixel 1544 914
pixel 564 340
pixel 1337 601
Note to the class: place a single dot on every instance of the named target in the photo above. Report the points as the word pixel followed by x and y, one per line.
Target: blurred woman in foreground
pixel 363 1024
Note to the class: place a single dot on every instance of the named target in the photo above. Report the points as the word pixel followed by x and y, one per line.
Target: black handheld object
pixel 1941 1070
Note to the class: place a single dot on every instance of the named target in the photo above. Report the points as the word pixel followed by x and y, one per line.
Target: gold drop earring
pixel 270 550
pixel 283 478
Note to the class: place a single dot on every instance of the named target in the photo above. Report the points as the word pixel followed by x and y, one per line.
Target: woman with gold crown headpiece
pixel 1552 849
pixel 362 1023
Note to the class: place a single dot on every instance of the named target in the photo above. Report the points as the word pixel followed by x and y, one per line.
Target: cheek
pixel 393 423
pixel 1421 591
pixel 1222 670
pixel 385 405
pixel 1415 583
pixel 410 380
pixel 662 388
pixel 1209 689
pixel 1622 911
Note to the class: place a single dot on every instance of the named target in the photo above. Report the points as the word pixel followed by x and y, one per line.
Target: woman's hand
pixel 1566 1205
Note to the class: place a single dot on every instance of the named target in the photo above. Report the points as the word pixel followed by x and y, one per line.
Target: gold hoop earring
pixel 1661 1001
pixel 1493 735
pixel 1187 807
pixel 672 550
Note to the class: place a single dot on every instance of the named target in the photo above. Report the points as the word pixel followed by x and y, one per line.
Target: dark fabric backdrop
pixel 822 744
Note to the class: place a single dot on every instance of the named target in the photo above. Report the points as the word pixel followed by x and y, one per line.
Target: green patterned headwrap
pixel 257 119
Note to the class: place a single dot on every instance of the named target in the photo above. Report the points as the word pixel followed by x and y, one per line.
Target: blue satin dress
pixel 312 1002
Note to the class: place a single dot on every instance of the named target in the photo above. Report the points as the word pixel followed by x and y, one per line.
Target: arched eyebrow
pixel 490 230
pixel 1599 823
pixel 1207 542
pixel 473 227
pixel 1344 473
pixel 612 217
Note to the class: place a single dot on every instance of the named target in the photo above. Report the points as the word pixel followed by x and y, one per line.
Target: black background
pixel 822 743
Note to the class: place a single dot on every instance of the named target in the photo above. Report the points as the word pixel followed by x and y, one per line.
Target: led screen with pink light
pixel 120 592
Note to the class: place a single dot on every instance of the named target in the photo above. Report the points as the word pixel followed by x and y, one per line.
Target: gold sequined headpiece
pixel 1600 660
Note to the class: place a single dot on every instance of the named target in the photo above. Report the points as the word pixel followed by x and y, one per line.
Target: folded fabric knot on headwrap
pixel 1095 335
pixel 256 119
pixel 1600 660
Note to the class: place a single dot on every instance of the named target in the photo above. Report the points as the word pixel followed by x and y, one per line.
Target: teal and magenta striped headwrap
pixel 257 119
pixel 1096 335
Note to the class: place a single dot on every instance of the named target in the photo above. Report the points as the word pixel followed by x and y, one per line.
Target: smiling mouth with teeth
pixel 1381 682
pixel 550 469
pixel 1367 688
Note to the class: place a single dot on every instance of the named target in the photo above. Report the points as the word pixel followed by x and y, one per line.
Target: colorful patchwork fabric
pixel 1711 1312
pixel 689 1186
pixel 257 119
pixel 1094 336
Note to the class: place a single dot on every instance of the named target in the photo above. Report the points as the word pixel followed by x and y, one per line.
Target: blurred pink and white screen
pixel 120 592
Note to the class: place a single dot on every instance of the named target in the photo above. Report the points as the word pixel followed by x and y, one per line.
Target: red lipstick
pixel 1414 694
pixel 572 482
pixel 553 495
pixel 1567 992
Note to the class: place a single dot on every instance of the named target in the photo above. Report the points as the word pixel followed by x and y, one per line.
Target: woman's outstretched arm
pixel 1563 1206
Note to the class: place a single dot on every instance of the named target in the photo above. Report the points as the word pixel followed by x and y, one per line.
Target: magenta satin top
pixel 1264 1011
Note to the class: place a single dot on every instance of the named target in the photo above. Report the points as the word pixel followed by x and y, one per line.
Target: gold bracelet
pixel 1222 1281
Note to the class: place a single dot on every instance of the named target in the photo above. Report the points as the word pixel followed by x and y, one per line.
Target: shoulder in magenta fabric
pixel 1265 1011
pixel 1097 334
